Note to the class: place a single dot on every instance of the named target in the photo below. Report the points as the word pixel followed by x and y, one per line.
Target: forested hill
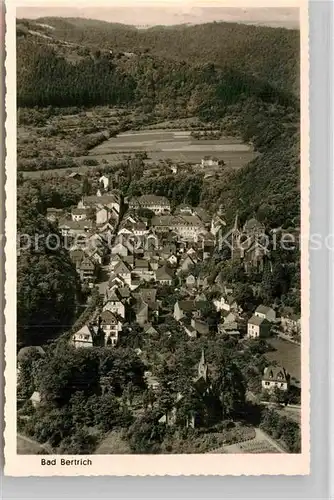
pixel 269 54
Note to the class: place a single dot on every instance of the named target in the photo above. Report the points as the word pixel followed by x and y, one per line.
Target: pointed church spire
pixel 235 227
pixel 203 367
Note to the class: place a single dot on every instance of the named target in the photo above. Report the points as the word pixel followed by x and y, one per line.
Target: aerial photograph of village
pixel 158 221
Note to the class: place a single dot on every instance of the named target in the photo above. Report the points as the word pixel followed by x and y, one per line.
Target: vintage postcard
pixel 157 227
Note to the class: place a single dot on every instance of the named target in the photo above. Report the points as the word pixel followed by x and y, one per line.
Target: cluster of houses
pixel 88 229
pixel 144 245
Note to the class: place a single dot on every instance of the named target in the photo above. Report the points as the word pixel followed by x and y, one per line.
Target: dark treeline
pixel 270 53
pixel 46 77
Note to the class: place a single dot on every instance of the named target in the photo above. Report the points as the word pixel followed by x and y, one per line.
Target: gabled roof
pixel 141 264
pixel 86 331
pixel 105 199
pixel 191 305
pixel 121 268
pixel 87 263
pixel 263 309
pixel 257 321
pixel 202 214
pixel 112 295
pixel 140 306
pixel 108 318
pixel 275 374
pixel 79 211
pixel 75 224
pixel 164 273
pixel 146 294
pixel 150 199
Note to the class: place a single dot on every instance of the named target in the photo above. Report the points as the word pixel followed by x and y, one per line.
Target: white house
pixel 83 337
pixel 36 399
pixel 209 161
pixel 102 215
pixel 258 327
pixel 157 204
pixel 120 249
pixel 79 214
pixel 105 181
pixel 111 327
pixel 123 272
pixel 265 312
pixel 275 377
pixel 114 304
pixel 226 303
pixel 291 324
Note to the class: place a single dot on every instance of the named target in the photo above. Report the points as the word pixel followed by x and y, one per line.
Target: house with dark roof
pixel 275 377
pixel 113 302
pixel 54 214
pixel 142 270
pixel 141 312
pixel 164 275
pixel 86 269
pixel 111 326
pixel 157 204
pixel 74 228
pixel 110 200
pixel 77 255
pixel 266 312
pixel 148 295
pixel 189 308
pixel 258 327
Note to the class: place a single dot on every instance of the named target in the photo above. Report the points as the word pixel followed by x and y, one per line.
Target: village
pixel 150 265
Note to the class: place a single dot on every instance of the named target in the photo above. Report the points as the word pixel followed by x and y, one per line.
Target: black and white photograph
pixel 159 232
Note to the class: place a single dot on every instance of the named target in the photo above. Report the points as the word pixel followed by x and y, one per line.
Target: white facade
pixel 79 216
pixel 116 307
pixel 83 338
pixel 266 313
pixel 105 181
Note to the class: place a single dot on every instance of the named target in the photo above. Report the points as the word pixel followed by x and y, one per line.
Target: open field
pixel 288 355
pixel 160 145
pixel 167 142
pixel 262 443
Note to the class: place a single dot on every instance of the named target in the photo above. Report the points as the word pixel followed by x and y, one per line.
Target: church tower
pixel 203 367
pixel 236 247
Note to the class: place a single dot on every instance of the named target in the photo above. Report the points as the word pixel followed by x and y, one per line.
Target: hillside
pixel 265 53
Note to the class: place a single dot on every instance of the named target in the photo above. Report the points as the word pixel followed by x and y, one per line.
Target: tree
pixel 27 360
pixel 229 386
pixel 86 186
pixel 146 434
pixel 47 282
pixel 80 443
pixel 64 371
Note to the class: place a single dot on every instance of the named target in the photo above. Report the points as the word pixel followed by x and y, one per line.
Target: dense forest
pixel 47 283
pixel 271 54
pixel 49 75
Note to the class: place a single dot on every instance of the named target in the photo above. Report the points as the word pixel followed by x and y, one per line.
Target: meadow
pixel 288 355
pixel 161 145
